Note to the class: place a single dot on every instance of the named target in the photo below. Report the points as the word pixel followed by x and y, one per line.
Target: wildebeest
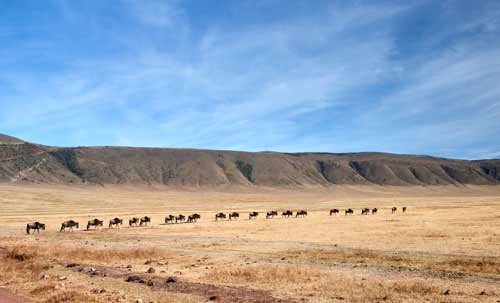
pixel 220 216
pixel 169 219
pixel 374 211
pixel 116 222
pixel 334 211
pixel 193 217
pixel 271 214
pixel 69 224
pixel 35 226
pixel 287 213
pixel 95 223
pixel 180 218
pixel 404 209
pixel 133 221
pixel 349 212
pixel 301 213
pixel 394 209
pixel 253 215
pixel 145 220
pixel 234 215
pixel 365 211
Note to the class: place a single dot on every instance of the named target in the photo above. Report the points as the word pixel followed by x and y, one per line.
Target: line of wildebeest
pixel 171 219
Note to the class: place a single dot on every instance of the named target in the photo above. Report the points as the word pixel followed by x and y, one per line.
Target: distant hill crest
pixel 23 162
pixel 4 139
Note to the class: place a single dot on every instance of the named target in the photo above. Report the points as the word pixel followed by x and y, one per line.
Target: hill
pixel 27 162
pixel 4 139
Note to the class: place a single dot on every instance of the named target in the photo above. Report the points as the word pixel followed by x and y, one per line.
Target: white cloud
pixel 158 13
pixel 233 82
pixel 247 87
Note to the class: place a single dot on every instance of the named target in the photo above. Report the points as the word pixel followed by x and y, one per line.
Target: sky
pixel 412 77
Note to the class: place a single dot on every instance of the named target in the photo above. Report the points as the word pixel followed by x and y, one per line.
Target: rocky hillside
pixel 26 162
pixel 4 139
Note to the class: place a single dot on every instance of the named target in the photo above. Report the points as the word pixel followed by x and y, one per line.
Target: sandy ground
pixel 445 248
pixel 8 297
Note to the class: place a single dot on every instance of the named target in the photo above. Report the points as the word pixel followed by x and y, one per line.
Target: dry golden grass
pixel 264 274
pixel 441 263
pixel 73 296
pixel 328 286
pixel 86 254
pixel 449 239
pixel 21 262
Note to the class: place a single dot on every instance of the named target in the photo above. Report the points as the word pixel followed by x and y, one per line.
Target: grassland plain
pixel 445 248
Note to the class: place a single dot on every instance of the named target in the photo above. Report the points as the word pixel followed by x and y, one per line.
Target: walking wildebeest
pixel 287 213
pixel 35 226
pixel 220 216
pixel 133 221
pixel 169 219
pixel 374 211
pixel 95 223
pixel 349 212
pixel 271 214
pixel 301 213
pixel 404 209
pixel 180 218
pixel 234 215
pixel 116 222
pixel 193 217
pixel 253 215
pixel 394 209
pixel 69 224
pixel 145 220
pixel 365 211
pixel 334 211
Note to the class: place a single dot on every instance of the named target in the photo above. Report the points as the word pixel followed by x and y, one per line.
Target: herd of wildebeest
pixel 171 219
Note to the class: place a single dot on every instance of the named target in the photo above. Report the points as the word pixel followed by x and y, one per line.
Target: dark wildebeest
pixel 180 218
pixel 35 226
pixel 69 224
pixel 349 212
pixel 133 221
pixel 253 215
pixel 234 215
pixel 394 209
pixel 193 217
pixel 404 209
pixel 287 213
pixel 334 211
pixel 301 213
pixel 95 223
pixel 145 220
pixel 374 211
pixel 116 222
pixel 220 216
pixel 365 211
pixel 271 214
pixel 169 219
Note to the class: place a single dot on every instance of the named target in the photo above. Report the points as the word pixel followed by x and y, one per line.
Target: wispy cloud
pixel 156 12
pixel 330 78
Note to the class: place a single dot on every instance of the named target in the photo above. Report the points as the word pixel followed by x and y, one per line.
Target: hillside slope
pixel 27 162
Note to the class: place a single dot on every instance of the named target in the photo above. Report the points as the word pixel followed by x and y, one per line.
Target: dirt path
pixel 212 292
pixel 7 297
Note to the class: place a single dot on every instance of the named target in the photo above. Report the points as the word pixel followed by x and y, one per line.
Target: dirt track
pixel 7 297
pixel 158 283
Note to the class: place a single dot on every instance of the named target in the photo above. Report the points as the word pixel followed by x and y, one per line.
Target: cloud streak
pixel 335 77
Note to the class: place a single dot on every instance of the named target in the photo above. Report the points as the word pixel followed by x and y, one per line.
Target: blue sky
pixel 418 77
